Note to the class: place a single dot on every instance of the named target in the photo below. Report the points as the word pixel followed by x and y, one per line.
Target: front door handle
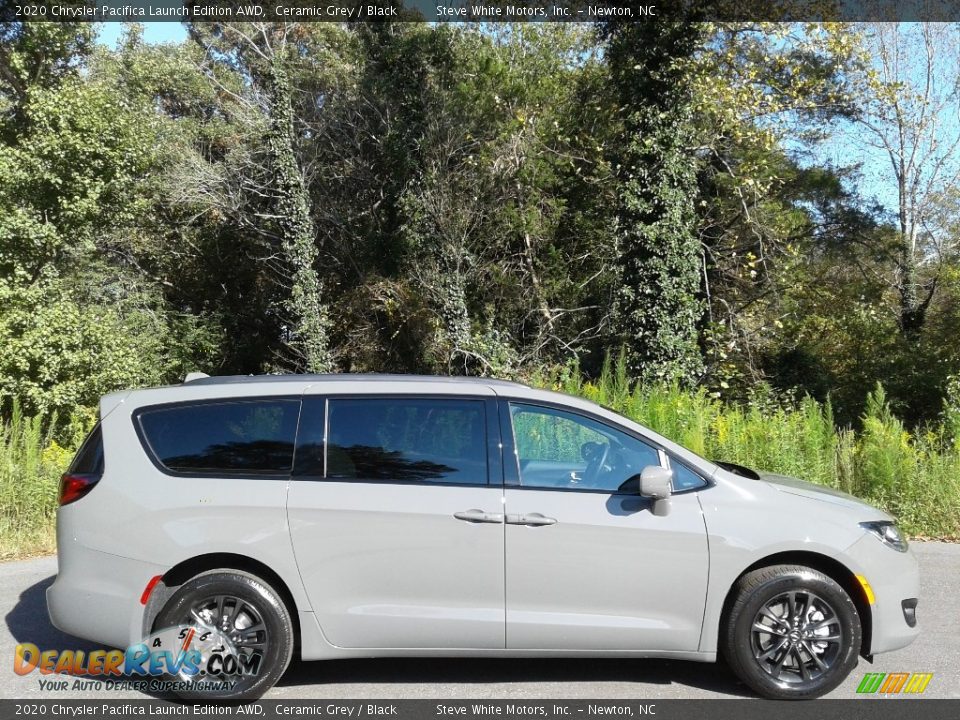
pixel 531 519
pixel 478 516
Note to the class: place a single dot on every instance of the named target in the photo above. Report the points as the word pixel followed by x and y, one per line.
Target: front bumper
pixel 895 579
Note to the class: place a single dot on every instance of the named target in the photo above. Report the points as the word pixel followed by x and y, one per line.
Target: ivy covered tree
pixel 658 304
pixel 274 204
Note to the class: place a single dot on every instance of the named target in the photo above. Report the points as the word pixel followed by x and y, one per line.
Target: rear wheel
pixel 791 633
pixel 241 630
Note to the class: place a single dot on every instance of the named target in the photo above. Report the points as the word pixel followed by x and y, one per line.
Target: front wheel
pixel 792 633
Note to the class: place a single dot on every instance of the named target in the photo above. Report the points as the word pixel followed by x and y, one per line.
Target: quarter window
pixel 407 440
pixel 563 450
pixel 89 459
pixel 244 437
pixel 684 478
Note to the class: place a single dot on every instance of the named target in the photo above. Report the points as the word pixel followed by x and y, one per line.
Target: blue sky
pixel 153 32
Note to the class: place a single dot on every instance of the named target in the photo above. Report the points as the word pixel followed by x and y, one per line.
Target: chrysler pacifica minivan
pixel 245 520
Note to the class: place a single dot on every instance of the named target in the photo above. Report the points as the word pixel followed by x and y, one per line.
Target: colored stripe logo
pixel 894 683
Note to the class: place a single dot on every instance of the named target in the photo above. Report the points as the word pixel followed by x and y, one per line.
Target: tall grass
pixel 913 476
pixel 31 462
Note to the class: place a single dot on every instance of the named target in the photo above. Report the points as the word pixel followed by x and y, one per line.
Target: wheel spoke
pixel 816 658
pixel 222 617
pixel 769 629
pixel 767 612
pixel 783 658
pixel 804 670
pixel 778 642
pixel 231 617
pixel 774 649
pixel 820 625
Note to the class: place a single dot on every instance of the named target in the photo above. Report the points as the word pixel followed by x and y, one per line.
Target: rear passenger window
pixel 245 437
pixel 407 440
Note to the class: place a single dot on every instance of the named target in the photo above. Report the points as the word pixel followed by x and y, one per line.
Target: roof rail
pixel 202 379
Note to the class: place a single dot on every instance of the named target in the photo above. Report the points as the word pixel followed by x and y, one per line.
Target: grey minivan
pixel 245 520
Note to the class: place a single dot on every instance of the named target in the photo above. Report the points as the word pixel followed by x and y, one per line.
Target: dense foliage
pixel 496 200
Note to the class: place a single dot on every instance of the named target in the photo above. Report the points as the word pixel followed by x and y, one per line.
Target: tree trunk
pixel 912 314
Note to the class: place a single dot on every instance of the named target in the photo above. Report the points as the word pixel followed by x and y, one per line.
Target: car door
pixel 395 512
pixel 588 567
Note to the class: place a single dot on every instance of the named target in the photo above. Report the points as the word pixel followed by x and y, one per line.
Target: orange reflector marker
pixel 149 589
pixel 868 591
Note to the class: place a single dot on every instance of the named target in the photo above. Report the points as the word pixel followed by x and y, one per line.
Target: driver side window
pixel 563 450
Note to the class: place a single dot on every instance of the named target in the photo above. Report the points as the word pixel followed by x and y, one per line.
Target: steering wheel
pixel 595 454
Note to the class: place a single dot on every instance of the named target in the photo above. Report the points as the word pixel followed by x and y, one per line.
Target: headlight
pixel 888 533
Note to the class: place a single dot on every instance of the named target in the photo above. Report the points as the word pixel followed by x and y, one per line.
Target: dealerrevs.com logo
pixel 894 683
pixel 185 658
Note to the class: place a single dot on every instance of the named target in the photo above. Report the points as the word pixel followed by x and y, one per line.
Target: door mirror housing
pixel 657 483
pixel 653 482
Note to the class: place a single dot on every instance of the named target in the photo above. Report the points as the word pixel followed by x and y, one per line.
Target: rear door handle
pixel 478 516
pixel 531 519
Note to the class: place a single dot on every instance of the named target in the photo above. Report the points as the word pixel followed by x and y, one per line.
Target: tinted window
pixel 89 459
pixel 406 439
pixel 684 478
pixel 223 437
pixel 557 449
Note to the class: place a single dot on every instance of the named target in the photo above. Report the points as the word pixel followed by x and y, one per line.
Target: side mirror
pixel 657 483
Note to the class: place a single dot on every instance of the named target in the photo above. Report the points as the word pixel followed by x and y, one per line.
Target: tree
pixel 659 303
pixel 761 93
pixel 265 54
pixel 464 198
pixel 38 56
pixel 908 89
pixel 76 159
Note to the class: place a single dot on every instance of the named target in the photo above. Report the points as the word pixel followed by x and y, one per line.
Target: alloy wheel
pixel 796 637
pixel 227 624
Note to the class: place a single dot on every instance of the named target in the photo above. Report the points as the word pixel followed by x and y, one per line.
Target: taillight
pixel 74 486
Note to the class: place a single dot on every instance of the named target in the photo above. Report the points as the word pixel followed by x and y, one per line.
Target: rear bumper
pixel 96 595
pixel 895 580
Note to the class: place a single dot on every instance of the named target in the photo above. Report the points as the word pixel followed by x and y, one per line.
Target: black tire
pixel 812 638
pixel 257 605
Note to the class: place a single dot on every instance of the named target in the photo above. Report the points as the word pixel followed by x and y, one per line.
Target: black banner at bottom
pixel 866 708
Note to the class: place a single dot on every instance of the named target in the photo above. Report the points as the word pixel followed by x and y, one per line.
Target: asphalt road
pixel 22 586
